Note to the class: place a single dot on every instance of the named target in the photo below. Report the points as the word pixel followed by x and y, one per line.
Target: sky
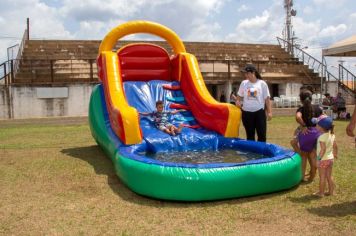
pixel 318 23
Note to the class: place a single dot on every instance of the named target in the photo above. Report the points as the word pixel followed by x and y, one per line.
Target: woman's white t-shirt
pixel 253 94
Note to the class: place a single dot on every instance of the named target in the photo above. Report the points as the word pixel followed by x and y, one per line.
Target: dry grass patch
pixel 55 180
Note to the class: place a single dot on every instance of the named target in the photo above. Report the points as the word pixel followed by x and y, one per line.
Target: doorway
pixel 275 90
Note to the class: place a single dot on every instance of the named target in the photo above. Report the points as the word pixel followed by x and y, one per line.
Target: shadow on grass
pixel 260 197
pixel 103 166
pixel 335 210
pixel 304 199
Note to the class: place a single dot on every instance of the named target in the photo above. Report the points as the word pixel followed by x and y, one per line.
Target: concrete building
pixel 55 77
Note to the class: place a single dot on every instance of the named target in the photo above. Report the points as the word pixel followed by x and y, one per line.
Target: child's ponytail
pixel 306 99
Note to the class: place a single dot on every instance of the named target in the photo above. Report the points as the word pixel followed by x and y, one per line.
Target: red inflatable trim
pixel 178 106
pixel 192 126
pixel 171 87
pixel 144 62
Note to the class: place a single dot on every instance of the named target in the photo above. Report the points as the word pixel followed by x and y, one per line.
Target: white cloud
pixel 92 19
pixel 255 23
pixel 96 10
pixel 260 28
pixel 308 35
pixel 315 36
pixel 205 32
pixel 322 2
pixel 242 8
pixel 308 10
pixel 329 3
pixel 91 29
pixel 307 30
pixel 180 15
pixel 208 6
pixel 200 20
pixel 45 22
pixel 353 16
pixel 332 31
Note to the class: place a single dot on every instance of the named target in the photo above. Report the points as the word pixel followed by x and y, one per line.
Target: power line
pixel 8 37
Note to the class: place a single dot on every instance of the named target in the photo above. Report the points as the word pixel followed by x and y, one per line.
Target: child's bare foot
pixel 318 194
pixel 311 177
pixel 331 191
pixel 305 178
pixel 180 127
pixel 169 132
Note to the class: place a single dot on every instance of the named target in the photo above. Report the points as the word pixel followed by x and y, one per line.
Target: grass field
pixel 55 180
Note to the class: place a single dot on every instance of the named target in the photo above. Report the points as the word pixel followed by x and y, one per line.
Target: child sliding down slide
pixel 161 119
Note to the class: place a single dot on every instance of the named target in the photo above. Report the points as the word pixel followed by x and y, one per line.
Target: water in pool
pixel 198 157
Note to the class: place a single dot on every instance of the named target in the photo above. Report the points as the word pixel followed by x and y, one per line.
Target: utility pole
pixel 28 28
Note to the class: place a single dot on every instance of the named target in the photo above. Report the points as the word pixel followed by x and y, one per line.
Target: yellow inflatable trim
pixel 148 27
pixel 233 123
pixel 129 115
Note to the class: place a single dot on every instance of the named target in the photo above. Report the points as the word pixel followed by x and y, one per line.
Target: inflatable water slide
pixel 185 166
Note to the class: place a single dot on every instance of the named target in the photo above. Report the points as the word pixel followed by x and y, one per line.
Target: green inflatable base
pixel 190 184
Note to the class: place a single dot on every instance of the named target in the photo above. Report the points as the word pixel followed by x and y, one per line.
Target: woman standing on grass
pixel 256 97
pixel 308 133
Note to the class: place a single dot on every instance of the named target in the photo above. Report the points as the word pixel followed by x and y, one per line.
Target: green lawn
pixel 55 180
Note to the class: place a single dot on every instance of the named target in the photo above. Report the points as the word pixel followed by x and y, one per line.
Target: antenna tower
pixel 289 34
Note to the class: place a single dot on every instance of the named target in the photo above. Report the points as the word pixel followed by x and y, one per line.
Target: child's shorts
pixel 164 126
pixel 324 164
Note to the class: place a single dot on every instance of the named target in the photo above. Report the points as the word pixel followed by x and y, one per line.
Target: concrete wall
pixel 32 102
pixel 332 88
pixel 22 102
pixel 4 101
pixel 293 89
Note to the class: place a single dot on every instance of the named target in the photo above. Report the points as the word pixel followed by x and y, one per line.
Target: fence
pixel 49 71
pixel 346 79
pixel 85 70
pixel 7 72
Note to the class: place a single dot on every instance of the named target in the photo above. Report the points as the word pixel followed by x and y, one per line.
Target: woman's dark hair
pixel 258 75
pixel 306 99
pixel 306 87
